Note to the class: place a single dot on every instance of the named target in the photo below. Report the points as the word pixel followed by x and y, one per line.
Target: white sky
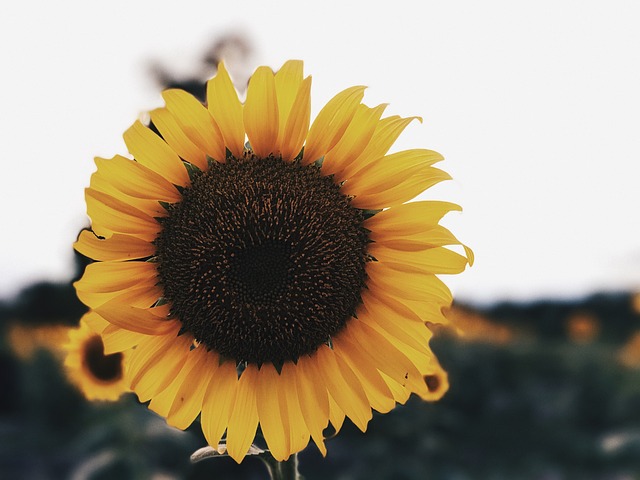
pixel 535 106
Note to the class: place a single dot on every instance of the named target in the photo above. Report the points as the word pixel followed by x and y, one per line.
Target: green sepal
pixel 240 368
pixel 299 156
pixel 161 301
pixel 165 205
pixel 192 170
pixel 370 213
pixel 329 343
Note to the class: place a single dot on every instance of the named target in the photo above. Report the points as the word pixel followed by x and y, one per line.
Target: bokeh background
pixel 534 106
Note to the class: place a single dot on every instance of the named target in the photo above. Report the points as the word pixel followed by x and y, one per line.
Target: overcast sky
pixel 535 106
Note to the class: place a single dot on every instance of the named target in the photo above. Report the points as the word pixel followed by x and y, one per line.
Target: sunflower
pixel 99 376
pixel 25 340
pixel 268 270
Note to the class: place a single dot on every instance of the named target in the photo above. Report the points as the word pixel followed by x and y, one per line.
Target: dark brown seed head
pixel 106 368
pixel 262 260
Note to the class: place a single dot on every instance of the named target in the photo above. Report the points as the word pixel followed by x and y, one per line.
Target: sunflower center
pixel 106 368
pixel 433 382
pixel 263 260
pixel 261 271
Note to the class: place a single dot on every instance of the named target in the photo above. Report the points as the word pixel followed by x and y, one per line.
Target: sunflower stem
pixel 287 470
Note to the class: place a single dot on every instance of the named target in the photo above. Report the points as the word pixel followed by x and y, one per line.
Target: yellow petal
pixel 114 276
pixel 436 236
pixel 417 311
pixel 389 171
pixel 331 123
pixel 196 122
pixel 344 387
pixel 336 415
pixel 432 260
pixel 400 392
pixel 273 425
pixel 116 339
pixel 116 247
pixel 377 391
pixel 420 355
pixel 101 183
pixel 94 321
pixel 152 152
pixel 162 402
pixel 407 285
pixel 409 218
pixel 226 109
pixel 355 139
pixel 314 402
pixel 387 132
pixel 172 133
pixel 384 355
pixel 261 113
pixel 244 417
pixel 290 407
pixel 412 333
pixel 423 361
pixel 152 321
pixel 156 361
pixel 406 190
pixel 218 402
pixel 144 293
pixel 429 312
pixel 297 125
pixel 287 82
pixel 390 301
pixel 187 402
pixel 136 180
pixel 110 215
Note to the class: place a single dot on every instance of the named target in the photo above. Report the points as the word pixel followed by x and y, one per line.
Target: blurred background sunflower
pixel 533 107
pixel 97 375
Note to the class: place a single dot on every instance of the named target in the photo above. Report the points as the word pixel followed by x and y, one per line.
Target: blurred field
pixel 546 390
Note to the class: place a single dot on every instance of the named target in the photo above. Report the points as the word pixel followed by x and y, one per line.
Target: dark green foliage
pixel 49 303
pixel 46 303
pixel 540 407
pixel 525 411
pixel 547 318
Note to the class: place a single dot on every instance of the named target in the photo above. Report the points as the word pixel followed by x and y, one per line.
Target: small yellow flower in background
pixel 97 375
pixel 267 270
pixel 26 340
pixel 437 382
pixel 629 353
pixel 583 327
pixel 473 326
pixel 635 302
